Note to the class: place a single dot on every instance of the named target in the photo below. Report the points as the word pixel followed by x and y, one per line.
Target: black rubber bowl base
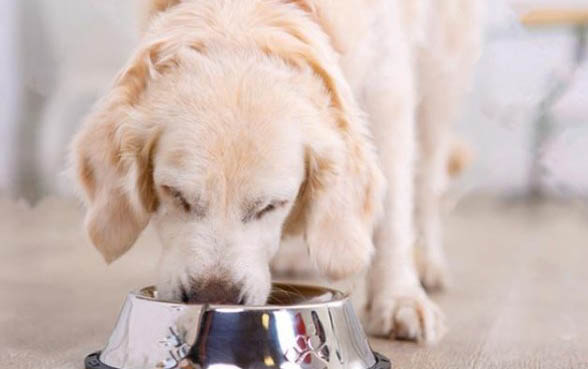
pixel 93 362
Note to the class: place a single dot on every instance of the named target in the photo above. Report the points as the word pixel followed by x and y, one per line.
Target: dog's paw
pixel 433 273
pixel 407 316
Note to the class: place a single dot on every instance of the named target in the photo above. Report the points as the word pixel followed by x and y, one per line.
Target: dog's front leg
pixel 397 305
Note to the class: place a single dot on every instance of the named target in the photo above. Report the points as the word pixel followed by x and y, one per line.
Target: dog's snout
pixel 212 292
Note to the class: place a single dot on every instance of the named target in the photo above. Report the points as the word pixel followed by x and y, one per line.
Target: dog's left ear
pixel 341 199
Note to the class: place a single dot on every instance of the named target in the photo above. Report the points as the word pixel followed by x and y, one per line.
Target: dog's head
pixel 225 151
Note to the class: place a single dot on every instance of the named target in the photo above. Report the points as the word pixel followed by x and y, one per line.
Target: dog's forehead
pixel 234 145
pixel 239 158
pixel 238 125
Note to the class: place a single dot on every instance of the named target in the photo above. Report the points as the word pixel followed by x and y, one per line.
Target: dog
pixel 238 123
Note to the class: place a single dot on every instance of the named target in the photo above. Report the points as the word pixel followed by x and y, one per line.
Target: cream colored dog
pixel 239 122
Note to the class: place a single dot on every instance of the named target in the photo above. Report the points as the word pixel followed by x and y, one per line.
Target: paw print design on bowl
pixel 310 349
pixel 178 350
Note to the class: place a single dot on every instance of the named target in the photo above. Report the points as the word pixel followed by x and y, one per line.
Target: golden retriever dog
pixel 237 123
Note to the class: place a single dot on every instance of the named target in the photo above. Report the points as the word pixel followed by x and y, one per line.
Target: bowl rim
pixel 338 298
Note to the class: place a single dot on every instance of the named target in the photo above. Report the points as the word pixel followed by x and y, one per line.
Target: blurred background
pixel 518 298
pixel 525 117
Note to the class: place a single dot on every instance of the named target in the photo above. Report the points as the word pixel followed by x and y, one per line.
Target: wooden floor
pixel 519 297
pixel 520 292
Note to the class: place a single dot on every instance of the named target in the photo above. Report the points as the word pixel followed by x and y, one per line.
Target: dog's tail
pixel 460 156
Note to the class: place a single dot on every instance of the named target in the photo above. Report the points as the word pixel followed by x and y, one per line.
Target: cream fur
pixel 228 107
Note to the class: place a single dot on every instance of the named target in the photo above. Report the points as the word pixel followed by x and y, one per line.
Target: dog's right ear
pixel 112 159
pixel 156 6
pixel 153 7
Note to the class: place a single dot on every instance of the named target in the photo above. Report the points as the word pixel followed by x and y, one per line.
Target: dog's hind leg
pixel 444 68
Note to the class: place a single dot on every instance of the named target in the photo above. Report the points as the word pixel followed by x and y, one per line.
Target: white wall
pixel 10 92
pixel 57 57
pixel 518 67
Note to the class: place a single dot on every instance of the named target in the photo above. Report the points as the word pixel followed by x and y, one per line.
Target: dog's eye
pixel 264 211
pixel 270 207
pixel 178 197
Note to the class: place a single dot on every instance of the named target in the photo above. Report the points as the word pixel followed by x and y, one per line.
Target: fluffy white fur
pixel 238 123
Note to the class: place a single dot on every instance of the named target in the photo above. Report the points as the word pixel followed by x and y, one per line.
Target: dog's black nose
pixel 213 291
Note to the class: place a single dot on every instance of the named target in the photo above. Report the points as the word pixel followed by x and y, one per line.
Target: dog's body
pixel 238 123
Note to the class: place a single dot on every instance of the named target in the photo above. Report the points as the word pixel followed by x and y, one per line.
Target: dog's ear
pixel 112 159
pixel 156 6
pixel 341 199
pixel 151 8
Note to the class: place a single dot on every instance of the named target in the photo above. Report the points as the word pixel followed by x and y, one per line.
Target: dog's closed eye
pixel 192 207
pixel 178 197
pixel 254 211
pixel 267 209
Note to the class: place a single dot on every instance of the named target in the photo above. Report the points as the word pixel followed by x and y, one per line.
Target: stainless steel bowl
pixel 302 327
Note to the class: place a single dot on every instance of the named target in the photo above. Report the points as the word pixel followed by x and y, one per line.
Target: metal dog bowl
pixel 302 327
